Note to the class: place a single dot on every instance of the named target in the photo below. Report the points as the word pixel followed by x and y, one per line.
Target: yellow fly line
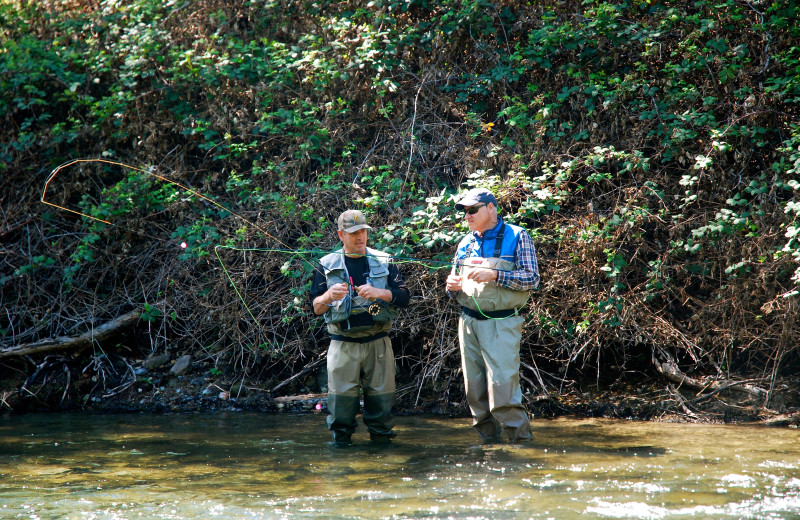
pixel 58 170
pixel 287 249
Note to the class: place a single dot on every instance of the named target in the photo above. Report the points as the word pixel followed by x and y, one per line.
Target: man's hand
pixel 337 292
pixel 453 283
pixel 373 293
pixel 324 301
pixel 483 275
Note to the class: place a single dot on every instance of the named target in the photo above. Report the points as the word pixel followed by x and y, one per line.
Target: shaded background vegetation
pixel 651 148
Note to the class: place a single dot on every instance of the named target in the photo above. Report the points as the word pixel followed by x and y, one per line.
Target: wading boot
pixel 341 440
pixel 377 416
pixel 382 440
pixel 342 418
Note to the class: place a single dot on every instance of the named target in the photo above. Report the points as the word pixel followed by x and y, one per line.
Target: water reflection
pixel 242 466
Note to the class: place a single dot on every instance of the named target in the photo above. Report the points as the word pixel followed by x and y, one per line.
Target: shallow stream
pixel 253 466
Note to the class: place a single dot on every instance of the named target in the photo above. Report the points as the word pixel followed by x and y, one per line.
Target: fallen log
pixel 77 343
pixel 668 367
pixel 786 419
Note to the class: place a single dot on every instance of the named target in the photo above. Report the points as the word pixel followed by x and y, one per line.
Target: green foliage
pixel 788 168
pixel 150 313
pixel 39 262
pixel 385 188
pixel 199 237
pixel 651 148
pixel 431 228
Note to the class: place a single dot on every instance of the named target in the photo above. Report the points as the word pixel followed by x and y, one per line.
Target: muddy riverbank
pixel 170 387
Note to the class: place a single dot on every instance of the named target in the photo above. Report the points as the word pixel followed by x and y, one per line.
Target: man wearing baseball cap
pixel 495 268
pixel 359 291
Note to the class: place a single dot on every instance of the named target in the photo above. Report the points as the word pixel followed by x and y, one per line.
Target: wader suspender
pixel 498 243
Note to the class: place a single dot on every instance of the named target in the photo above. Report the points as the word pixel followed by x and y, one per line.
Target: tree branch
pixel 666 366
pixel 78 343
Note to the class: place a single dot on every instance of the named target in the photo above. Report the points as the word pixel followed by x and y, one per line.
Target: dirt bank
pixel 159 389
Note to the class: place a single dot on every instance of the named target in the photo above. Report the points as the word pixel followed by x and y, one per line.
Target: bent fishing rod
pixel 286 249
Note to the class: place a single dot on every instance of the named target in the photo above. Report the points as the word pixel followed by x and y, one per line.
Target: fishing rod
pixel 285 250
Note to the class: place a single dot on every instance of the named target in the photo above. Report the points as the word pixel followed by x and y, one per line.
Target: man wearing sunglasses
pixel 359 291
pixel 495 268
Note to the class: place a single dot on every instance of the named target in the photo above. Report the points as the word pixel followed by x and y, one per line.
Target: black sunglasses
pixel 473 209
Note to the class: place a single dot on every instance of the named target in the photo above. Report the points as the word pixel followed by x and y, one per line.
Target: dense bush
pixel 652 149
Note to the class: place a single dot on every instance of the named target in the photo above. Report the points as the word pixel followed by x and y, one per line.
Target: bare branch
pixel 78 343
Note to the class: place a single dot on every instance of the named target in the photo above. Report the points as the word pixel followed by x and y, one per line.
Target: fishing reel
pixel 374 309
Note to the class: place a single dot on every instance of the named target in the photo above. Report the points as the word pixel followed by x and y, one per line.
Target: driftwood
pixel 77 343
pixel 786 419
pixel 305 370
pixel 667 367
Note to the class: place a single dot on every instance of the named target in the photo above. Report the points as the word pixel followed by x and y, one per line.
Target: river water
pixel 254 466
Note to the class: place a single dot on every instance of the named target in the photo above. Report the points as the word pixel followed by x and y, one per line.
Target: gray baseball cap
pixel 475 196
pixel 352 220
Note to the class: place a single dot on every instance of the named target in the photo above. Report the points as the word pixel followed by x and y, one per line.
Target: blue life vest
pixel 486 246
pixel 496 249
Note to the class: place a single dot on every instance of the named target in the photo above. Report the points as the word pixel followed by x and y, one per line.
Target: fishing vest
pixel 489 297
pixel 337 316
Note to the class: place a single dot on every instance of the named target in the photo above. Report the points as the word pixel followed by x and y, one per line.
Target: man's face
pixel 481 220
pixel 355 243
